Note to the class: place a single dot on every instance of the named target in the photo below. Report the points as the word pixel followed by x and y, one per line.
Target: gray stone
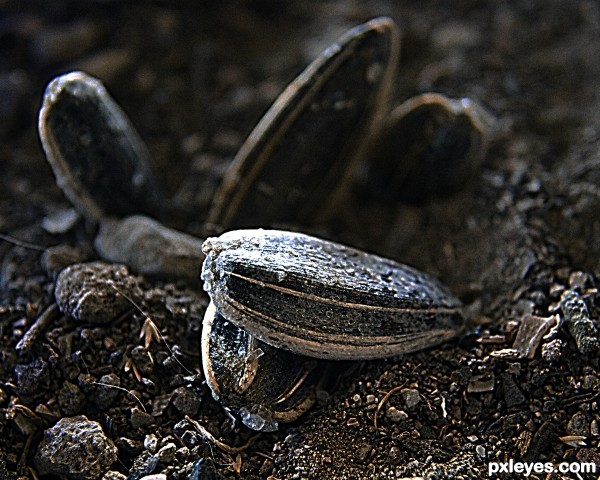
pixel 396 415
pixel 95 292
pixel 186 401
pixel 140 419
pixel 150 248
pixel 77 448
pixel 70 398
pixel 411 397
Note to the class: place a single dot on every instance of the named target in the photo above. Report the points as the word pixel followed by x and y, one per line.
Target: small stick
pixel 211 438
pixel 383 400
pixel 21 243
pixel 31 335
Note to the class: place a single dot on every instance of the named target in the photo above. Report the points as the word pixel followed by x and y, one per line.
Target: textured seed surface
pixel 99 160
pixel 314 133
pixel 323 299
pixel 261 384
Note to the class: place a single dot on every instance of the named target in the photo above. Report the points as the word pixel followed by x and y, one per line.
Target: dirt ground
pixel 521 385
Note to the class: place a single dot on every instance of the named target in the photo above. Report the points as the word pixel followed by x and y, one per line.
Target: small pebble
pixel 395 455
pixel 57 258
pixel 395 415
pixel 167 453
pixel 155 476
pixel 160 403
pixel 105 394
pixel 480 384
pixel 182 454
pixel 150 443
pixel 140 419
pixel 480 449
pixel 411 397
pixel 552 351
pixel 512 394
pixel 61 221
pixel 77 448
pixel 70 398
pixel 143 465
pixel 579 323
pixel 186 401
pixel 363 452
pixel 591 382
pixel 578 280
pixel 352 422
pixel 32 378
pixel 113 475
pixel 90 292
pixel 150 248
pixel 531 331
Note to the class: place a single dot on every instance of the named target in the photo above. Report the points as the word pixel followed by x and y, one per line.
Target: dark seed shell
pixel 325 300
pixel 430 146
pixel 260 384
pixel 311 137
pixel 99 160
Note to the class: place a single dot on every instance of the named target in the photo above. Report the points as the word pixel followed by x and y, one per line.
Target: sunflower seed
pixel 430 145
pixel 99 160
pixel 325 300
pixel 260 384
pixel 313 135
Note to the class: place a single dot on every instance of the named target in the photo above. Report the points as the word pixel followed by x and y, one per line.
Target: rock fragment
pixel 76 448
pixel 579 323
pixel 531 332
pixel 150 248
pixel 95 292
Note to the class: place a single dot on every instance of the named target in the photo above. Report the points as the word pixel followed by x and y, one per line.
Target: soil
pixel 521 385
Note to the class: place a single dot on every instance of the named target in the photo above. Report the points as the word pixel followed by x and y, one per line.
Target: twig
pixel 211 438
pixel 21 243
pixel 383 400
pixel 31 335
